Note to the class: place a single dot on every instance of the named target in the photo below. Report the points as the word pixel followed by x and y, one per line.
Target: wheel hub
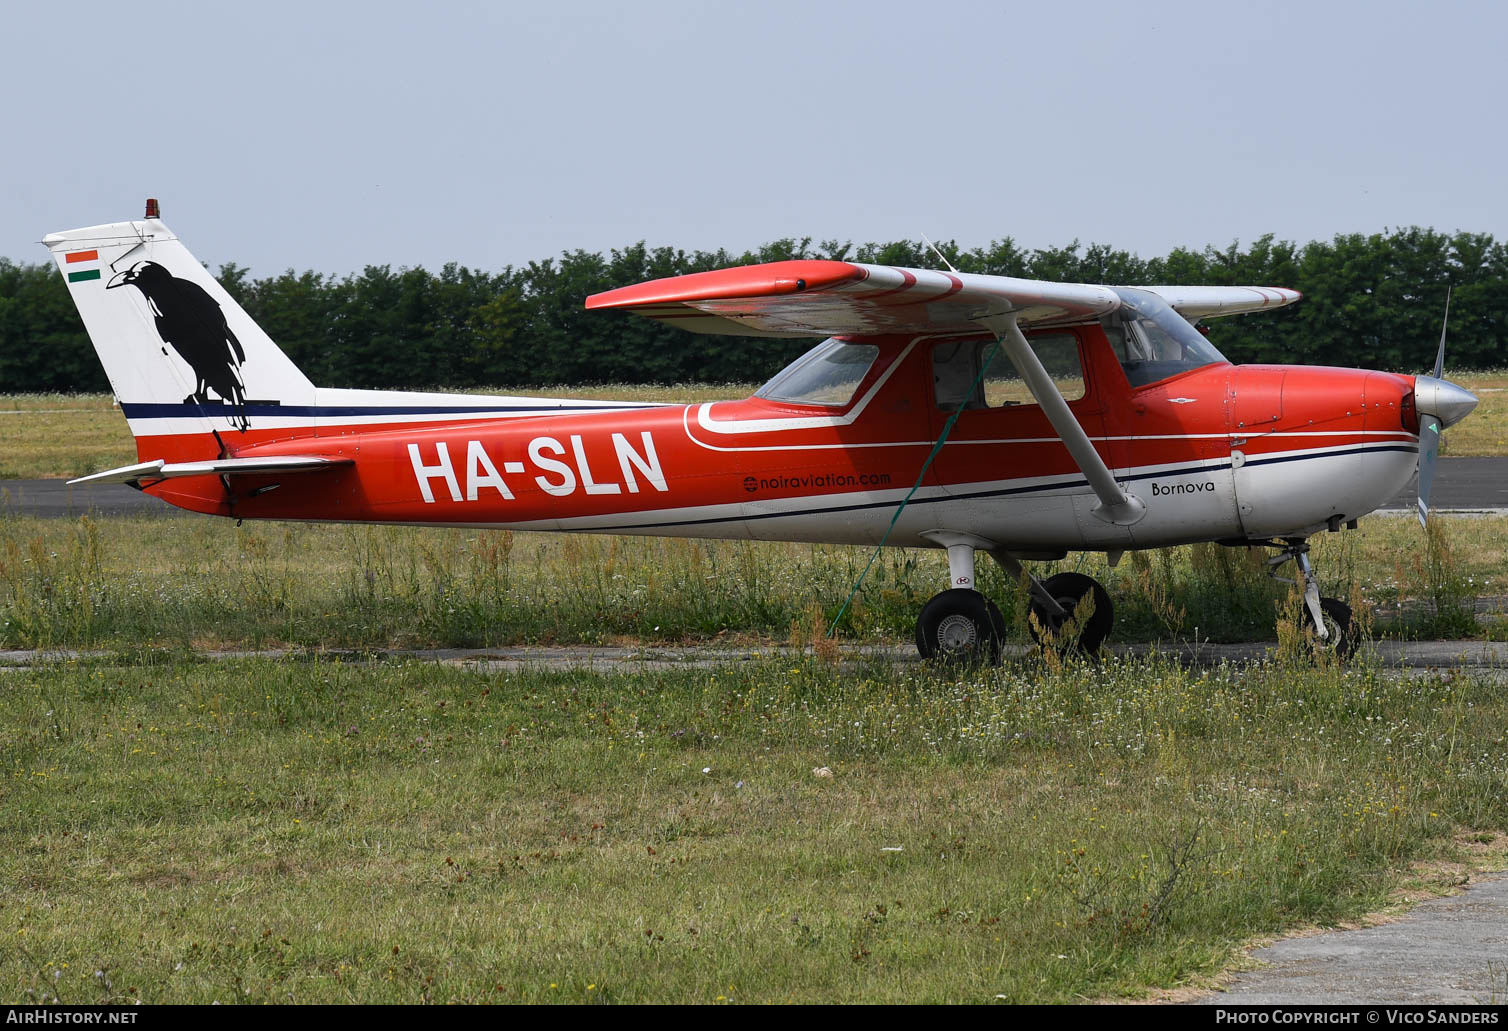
pixel 956 633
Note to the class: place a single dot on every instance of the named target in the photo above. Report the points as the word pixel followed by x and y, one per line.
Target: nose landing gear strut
pixel 1331 620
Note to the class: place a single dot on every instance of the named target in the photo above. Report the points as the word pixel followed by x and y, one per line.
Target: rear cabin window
pixel 957 382
pixel 828 374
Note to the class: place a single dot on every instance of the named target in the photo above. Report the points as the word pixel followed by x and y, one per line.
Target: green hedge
pixel 1371 301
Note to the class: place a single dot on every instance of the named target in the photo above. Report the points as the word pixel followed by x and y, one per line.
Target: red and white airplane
pixel 970 413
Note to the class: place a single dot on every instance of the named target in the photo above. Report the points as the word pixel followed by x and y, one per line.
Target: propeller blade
pixel 1440 355
pixel 1429 447
pixel 1429 432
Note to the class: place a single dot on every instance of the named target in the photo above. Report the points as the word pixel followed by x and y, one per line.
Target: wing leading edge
pixel 841 298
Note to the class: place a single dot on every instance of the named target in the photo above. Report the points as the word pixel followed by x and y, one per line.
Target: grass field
pixel 794 831
pixel 1484 433
pixel 65 435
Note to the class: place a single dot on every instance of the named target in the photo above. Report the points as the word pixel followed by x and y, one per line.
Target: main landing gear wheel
pixel 1066 633
pixel 960 626
pixel 1340 628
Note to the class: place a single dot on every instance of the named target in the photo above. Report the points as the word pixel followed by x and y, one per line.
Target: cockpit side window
pixel 828 375
pixel 957 383
pixel 1152 341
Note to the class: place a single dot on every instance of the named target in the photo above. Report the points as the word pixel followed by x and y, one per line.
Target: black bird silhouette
pixel 191 321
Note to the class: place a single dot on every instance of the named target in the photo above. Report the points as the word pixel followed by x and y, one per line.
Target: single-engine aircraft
pixel 1022 419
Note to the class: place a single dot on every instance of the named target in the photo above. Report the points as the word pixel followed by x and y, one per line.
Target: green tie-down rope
pixel 941 440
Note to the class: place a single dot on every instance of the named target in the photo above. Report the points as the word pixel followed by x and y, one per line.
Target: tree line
pixel 1372 301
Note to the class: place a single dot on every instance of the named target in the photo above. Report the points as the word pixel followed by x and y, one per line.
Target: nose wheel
pixel 1331 627
pixel 1340 629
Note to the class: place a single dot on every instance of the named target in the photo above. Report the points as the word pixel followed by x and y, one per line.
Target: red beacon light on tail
pixel 153 211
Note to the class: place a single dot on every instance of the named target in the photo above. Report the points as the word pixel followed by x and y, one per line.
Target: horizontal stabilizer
pixel 161 470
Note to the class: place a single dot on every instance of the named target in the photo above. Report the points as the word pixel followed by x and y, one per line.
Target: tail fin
pixel 192 371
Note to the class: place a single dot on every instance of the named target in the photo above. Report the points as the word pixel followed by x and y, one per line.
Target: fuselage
pixel 1215 452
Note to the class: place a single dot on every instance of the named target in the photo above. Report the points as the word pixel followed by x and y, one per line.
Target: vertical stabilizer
pixel 182 357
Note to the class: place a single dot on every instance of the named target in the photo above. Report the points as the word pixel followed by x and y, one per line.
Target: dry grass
pixel 61 435
pixel 195 580
pixel 1483 434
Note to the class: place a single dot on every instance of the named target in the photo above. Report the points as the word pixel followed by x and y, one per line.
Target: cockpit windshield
pixel 828 374
pixel 1153 341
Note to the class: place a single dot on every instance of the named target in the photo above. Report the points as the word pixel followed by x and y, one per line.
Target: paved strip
pixel 55 499
pixel 1474 485
pixel 1461 483
pixel 44 411
pixel 1451 951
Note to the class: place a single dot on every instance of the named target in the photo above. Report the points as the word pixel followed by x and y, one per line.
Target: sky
pixel 330 136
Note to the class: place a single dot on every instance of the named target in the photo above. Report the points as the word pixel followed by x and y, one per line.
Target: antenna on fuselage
pixel 939 254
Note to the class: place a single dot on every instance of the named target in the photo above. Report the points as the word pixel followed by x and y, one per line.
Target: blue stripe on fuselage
pixel 145 410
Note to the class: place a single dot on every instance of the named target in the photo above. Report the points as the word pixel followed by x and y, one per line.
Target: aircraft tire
pixel 962 626
pixel 1340 625
pixel 1070 590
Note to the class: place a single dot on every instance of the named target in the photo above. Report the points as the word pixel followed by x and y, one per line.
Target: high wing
pixel 841 298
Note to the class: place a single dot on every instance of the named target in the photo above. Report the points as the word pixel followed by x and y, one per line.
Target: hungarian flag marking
pixel 82 275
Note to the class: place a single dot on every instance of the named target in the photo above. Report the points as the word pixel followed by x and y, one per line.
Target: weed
pixel 1454 609
pixel 146 582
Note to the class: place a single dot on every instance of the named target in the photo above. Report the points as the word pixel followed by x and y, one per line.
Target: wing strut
pixel 1116 506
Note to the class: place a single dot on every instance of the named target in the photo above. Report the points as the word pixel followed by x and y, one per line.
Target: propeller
pixel 1440 403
